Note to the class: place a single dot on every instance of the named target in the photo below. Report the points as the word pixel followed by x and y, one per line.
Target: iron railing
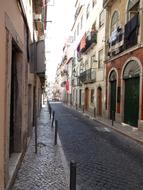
pixel 88 76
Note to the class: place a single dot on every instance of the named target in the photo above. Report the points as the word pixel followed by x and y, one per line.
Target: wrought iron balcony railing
pixel 91 40
pixel 88 76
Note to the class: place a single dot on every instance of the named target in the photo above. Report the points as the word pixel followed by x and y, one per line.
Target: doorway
pixel 15 102
pixel 86 99
pixel 132 91
pixel 99 101
pixel 113 94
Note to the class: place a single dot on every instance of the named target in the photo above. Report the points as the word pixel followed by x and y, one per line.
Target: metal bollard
pixel 50 112
pixel 72 175
pixel 53 118
pixel 113 119
pixel 56 132
pixel 94 112
pixel 36 143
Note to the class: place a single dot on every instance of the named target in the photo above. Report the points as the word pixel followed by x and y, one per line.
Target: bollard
pixel 53 118
pixel 94 112
pixel 50 112
pixel 36 144
pixel 72 175
pixel 56 132
pixel 76 106
pixel 83 108
pixel 113 119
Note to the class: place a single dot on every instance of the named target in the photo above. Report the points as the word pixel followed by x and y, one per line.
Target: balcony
pixel 88 76
pixel 37 63
pixel 124 38
pixel 39 15
pixel 91 41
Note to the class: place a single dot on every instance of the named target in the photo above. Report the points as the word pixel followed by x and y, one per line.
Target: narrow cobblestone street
pixel 43 171
pixel 105 159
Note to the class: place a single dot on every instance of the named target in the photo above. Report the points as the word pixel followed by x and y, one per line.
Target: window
pixel 87 11
pixel 93 61
pixel 93 3
pixel 92 96
pixel 86 64
pixel 101 18
pixel 114 21
pixel 133 8
pixel 100 59
pixel 81 22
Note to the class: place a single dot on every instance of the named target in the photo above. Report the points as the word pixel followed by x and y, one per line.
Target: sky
pixel 59 23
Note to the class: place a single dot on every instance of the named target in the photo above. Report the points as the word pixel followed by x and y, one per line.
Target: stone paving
pixel 43 171
pixel 106 160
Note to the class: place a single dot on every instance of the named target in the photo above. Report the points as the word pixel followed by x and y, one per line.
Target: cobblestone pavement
pixel 106 160
pixel 43 171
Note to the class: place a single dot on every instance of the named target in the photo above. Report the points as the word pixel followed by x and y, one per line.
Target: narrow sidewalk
pixel 125 129
pixel 44 170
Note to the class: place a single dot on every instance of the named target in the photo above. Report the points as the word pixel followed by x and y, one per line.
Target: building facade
pixel 124 61
pixel 89 50
pixel 16 116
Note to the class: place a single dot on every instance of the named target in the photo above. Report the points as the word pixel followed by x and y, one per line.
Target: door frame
pixel 109 90
pixel 99 101
pixel 123 87
pixel 86 99
pixel 125 80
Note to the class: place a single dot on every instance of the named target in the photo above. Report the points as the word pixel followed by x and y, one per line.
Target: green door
pixel 131 105
pixel 113 99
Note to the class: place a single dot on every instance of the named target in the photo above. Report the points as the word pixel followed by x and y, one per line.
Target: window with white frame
pixel 115 21
pixel 100 59
pixel 133 8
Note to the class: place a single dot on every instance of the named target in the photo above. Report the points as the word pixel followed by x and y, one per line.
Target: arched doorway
pixel 86 100
pixel 113 84
pixel 131 78
pixel 99 101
